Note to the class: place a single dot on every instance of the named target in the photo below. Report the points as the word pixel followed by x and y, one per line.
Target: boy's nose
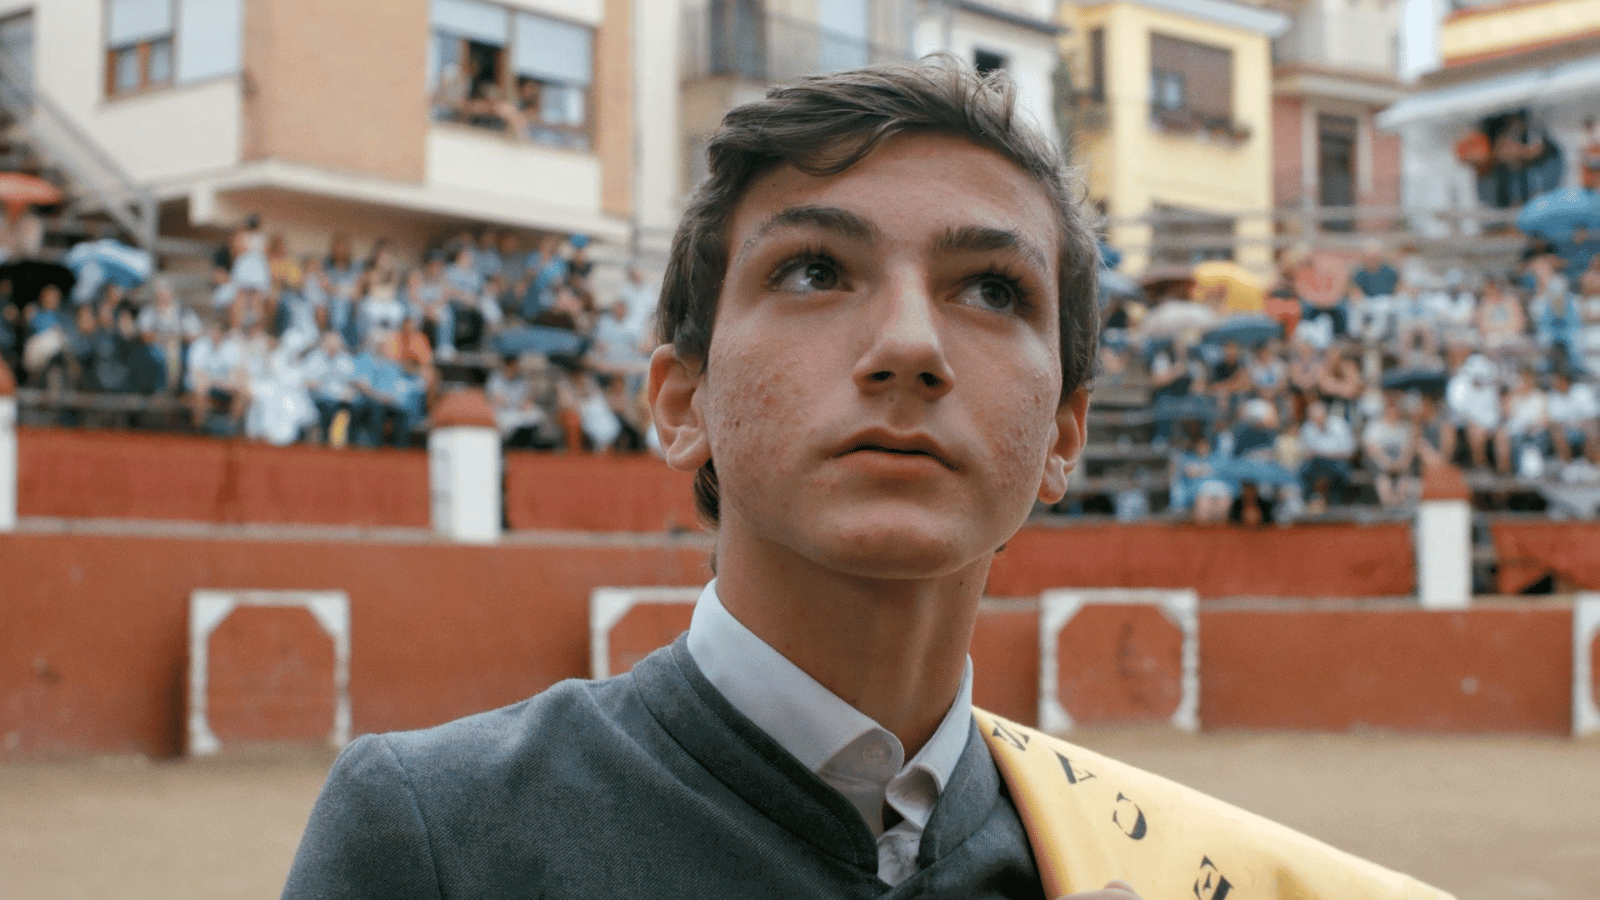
pixel 907 350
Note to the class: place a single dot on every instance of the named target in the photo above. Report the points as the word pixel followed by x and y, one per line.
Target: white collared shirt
pixel 844 747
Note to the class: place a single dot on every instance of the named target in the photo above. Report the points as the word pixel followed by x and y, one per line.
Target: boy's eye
pixel 993 293
pixel 808 275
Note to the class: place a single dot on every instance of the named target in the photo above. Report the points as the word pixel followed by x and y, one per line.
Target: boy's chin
pixel 901 551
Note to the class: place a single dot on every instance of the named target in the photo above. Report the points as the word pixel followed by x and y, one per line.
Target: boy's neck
pixel 894 649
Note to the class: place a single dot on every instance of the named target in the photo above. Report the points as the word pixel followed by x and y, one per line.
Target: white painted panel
pixel 494 164
pixel 171 134
pixel 210 38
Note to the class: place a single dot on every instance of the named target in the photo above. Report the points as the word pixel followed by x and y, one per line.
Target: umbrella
pixel 102 262
pixel 1246 329
pixel 18 190
pixel 1176 317
pixel 1238 288
pixel 1116 284
pixel 1425 381
pixel 538 339
pixel 29 276
pixel 1554 214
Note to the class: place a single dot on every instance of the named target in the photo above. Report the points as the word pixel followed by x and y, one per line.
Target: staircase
pixel 37 135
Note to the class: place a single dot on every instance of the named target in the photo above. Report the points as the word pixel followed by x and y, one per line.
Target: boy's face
pixel 882 396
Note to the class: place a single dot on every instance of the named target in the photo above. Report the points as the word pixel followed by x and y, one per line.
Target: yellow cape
pixel 1091 819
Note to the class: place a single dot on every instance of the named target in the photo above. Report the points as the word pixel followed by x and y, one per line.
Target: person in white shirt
pixel 1573 411
pixel 1389 446
pixel 214 375
pixel 1472 396
pixel 1328 445
pixel 1518 443
pixel 330 373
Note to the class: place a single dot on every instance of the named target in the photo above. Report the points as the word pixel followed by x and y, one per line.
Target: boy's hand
pixel 1115 890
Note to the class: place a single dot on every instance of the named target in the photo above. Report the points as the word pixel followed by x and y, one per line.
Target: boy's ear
pixel 1071 426
pixel 675 409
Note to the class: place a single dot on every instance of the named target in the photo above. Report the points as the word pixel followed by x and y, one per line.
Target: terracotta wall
pixel 131 475
pixel 1528 551
pixel 93 645
pixel 1333 560
pixel 338 85
pixel 93 652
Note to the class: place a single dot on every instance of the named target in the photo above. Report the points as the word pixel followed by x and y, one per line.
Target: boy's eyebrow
pixel 981 239
pixel 824 218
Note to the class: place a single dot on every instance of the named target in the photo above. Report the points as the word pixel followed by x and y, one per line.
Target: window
pixel 842 39
pixel 1097 65
pixel 511 71
pixel 1185 236
pixel 1336 166
pixel 986 61
pixel 1191 85
pixel 158 43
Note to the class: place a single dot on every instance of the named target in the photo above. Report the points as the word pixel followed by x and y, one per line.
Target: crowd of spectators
pixel 1346 400
pixel 347 348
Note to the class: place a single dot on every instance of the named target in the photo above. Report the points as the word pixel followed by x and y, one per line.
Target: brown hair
pixel 822 125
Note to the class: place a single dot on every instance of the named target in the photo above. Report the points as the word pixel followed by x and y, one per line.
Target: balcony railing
pixel 741 41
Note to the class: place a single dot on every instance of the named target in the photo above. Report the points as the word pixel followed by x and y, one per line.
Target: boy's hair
pixel 822 125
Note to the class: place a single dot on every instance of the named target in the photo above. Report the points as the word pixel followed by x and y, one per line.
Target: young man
pixel 877 326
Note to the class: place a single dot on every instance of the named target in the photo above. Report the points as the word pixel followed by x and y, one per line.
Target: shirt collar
pixel 815 725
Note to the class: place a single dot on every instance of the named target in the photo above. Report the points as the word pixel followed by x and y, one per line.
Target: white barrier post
pixel 464 468
pixel 8 450
pixel 1443 537
pixel 1585 699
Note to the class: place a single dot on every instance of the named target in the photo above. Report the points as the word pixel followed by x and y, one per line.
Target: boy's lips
pixel 878 440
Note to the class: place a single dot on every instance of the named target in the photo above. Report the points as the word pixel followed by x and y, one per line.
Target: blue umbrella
pixel 1116 284
pixel 1247 330
pixel 1425 381
pixel 103 262
pixel 538 339
pixel 1554 214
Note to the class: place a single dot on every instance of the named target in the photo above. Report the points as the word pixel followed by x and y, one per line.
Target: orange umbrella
pixel 18 190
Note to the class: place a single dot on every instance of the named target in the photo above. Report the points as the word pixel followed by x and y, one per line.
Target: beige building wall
pixel 613 107
pixel 338 85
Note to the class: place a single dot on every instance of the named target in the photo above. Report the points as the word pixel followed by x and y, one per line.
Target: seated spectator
pixel 1589 278
pixel 1229 377
pixel 250 266
pixel 1416 319
pixel 1388 445
pixel 1574 413
pixel 1251 508
pixel 1256 434
pixel 516 396
pixel 1195 481
pixel 641 299
pixel 341 268
pixel 1375 278
pixel 388 398
pixel 1578 252
pixel 1329 446
pixel 585 413
pixel 381 308
pixel 545 269
pixel 1557 321
pixel 425 296
pixel 616 349
pixel 1269 376
pixel 1473 399
pixel 1340 384
pixel 329 373
pixel 168 327
pixel 1501 320
pixel 44 351
pixel 214 376
pixel 1527 426
pixel 281 411
pixel 1458 312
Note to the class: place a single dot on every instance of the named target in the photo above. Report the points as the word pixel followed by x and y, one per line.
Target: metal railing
pixel 98 181
pixel 748 43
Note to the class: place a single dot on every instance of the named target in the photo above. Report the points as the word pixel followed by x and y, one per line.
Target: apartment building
pixel 1530 66
pixel 1171 113
pixel 1334 70
pixel 733 50
pixel 409 119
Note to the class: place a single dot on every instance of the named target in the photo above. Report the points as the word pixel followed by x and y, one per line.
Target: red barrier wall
pixel 94 628
pixel 590 493
pixel 1528 551
pixel 131 475
pixel 1495 667
pixel 1334 560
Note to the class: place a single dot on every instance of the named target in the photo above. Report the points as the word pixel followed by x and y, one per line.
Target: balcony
pixel 741 42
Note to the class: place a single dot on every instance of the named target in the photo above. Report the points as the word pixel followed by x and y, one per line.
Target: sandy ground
pixel 1487 818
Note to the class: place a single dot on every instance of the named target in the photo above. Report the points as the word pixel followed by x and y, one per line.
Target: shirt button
pixel 877 752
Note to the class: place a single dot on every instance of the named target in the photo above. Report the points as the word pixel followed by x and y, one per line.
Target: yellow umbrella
pixel 1229 287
